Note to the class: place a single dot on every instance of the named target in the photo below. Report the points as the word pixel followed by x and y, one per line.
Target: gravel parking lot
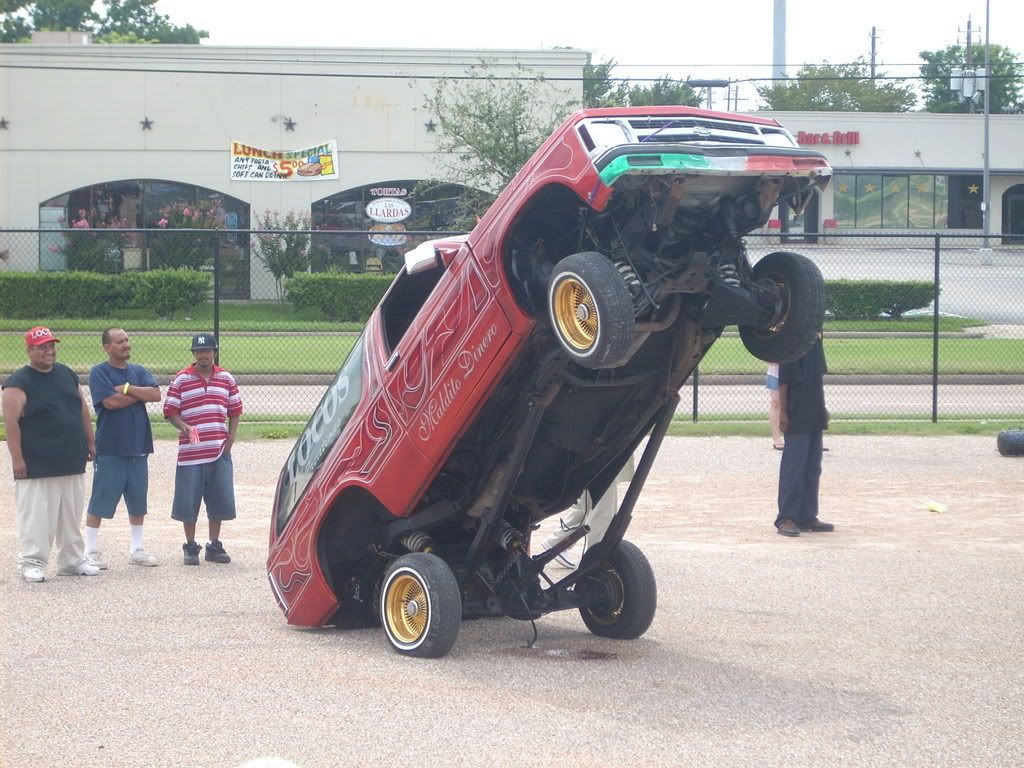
pixel 896 641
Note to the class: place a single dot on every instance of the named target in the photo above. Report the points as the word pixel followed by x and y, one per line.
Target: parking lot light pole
pixel 986 214
pixel 709 84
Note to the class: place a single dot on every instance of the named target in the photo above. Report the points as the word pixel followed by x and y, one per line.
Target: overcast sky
pixel 709 40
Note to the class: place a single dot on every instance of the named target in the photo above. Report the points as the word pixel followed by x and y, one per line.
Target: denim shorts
pixel 213 483
pixel 117 476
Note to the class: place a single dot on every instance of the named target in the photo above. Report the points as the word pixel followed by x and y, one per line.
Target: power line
pixel 147 55
pixel 422 76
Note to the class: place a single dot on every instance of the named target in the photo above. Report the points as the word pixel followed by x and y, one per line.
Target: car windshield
pixel 320 434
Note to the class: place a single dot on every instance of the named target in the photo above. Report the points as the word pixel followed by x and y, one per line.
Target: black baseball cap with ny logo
pixel 204 341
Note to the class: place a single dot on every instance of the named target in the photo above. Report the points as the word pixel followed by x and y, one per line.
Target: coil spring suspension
pixel 629 277
pixel 510 539
pixel 728 274
pixel 418 541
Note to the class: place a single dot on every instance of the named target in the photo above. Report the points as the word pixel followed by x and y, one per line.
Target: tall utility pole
pixel 874 38
pixel 986 190
pixel 779 40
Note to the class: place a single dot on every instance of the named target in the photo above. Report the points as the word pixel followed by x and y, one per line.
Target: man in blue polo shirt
pixel 124 440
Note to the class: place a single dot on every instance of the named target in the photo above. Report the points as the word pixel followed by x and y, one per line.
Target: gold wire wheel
pixel 614 592
pixel 576 314
pixel 405 608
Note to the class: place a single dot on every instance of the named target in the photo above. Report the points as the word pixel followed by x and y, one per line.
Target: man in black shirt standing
pixel 50 437
pixel 803 417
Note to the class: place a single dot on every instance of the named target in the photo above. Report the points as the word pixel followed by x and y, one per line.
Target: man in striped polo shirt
pixel 199 401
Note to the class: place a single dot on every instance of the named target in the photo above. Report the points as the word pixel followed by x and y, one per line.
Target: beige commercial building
pixel 912 172
pixel 132 134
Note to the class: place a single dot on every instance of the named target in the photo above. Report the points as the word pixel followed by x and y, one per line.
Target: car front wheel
pixel 420 606
pixel 591 310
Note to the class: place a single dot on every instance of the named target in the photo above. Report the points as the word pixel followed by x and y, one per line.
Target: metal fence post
pixel 696 387
pixel 935 334
pixel 216 293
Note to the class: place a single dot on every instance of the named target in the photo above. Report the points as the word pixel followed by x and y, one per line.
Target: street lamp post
pixel 986 214
pixel 964 82
pixel 709 84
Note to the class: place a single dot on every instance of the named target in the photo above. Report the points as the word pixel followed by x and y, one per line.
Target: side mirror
pixel 421 258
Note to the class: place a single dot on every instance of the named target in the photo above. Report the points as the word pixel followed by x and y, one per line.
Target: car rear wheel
pixel 620 598
pixel 798 313
pixel 420 606
pixel 591 310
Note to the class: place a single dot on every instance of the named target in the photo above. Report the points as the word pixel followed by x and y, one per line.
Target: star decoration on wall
pixel 922 187
pixel 844 188
pixel 146 123
pixel 870 187
pixel 973 189
pixel 3 123
pixel 895 188
pixel 917 154
pixel 289 124
pixel 431 126
pixel 848 152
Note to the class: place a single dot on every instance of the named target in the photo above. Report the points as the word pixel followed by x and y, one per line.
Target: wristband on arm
pixel 124 389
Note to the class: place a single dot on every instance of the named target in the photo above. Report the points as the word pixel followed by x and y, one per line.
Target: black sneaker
pixel 215 552
pixel 191 550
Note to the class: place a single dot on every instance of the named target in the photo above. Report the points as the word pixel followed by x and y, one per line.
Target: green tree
pixel 663 92
pixel 939 97
pixel 139 18
pixel 278 250
pixel 119 21
pixel 837 88
pixel 490 122
pixel 599 89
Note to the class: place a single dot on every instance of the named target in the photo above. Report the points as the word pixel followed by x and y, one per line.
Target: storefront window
pixel 105 208
pixel 921 208
pixel 869 202
pixel 918 201
pixel 941 202
pixel 894 202
pixel 389 208
pixel 844 196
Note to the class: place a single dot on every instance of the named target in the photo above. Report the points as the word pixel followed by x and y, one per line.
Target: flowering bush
pixel 95 245
pixel 184 249
pixel 282 254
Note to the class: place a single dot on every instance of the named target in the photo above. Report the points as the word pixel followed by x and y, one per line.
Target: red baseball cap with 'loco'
pixel 39 335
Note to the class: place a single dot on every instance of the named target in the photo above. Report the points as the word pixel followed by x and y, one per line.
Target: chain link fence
pixel 892 354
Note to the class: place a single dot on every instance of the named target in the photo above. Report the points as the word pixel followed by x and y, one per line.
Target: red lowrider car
pixel 507 371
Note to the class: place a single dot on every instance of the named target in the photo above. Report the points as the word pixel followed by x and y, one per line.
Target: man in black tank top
pixel 50 438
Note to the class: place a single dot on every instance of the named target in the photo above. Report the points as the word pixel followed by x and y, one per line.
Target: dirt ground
pixel 898 640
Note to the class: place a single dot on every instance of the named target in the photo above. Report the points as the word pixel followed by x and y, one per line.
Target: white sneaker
pixel 82 569
pixel 95 559
pixel 141 557
pixel 33 574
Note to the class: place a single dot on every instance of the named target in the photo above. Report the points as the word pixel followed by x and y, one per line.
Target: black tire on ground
pixel 799 312
pixel 591 310
pixel 1010 442
pixel 420 606
pixel 621 597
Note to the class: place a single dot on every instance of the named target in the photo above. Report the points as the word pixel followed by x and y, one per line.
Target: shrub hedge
pixel 30 295
pixel 340 296
pixel 869 299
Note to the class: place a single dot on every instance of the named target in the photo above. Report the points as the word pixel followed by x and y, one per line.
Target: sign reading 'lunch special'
pixel 255 164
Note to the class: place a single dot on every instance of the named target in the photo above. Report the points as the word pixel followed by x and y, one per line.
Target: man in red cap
pixel 50 437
